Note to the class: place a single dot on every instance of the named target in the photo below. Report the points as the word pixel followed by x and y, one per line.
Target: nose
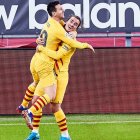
pixel 72 25
pixel 63 10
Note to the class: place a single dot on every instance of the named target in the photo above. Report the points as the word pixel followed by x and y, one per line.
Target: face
pixel 72 24
pixel 59 13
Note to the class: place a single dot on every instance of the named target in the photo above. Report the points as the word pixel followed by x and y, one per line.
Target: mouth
pixel 70 28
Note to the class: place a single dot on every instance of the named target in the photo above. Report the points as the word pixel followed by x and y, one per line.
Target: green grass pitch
pixel 81 127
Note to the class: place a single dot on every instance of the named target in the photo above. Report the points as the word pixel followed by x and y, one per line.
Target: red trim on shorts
pixel 61 61
pixel 56 64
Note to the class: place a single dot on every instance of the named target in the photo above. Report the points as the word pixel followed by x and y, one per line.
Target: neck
pixel 57 19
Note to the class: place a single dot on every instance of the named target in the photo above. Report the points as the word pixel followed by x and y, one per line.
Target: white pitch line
pixel 73 123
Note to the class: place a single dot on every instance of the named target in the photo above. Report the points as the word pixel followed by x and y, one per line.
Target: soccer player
pixel 63 55
pixel 66 53
pixel 42 65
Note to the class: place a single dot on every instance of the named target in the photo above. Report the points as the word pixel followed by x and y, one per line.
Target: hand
pixel 73 34
pixel 40 41
pixel 90 47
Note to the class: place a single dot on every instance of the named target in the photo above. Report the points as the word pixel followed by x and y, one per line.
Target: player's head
pixel 55 9
pixel 72 23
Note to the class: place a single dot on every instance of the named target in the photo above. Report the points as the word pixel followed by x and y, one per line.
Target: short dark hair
pixel 51 7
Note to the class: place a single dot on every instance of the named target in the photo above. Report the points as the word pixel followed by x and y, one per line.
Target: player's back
pixel 51 27
pixel 51 41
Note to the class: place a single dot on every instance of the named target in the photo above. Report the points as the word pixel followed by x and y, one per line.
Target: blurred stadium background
pixel 107 82
pixel 104 89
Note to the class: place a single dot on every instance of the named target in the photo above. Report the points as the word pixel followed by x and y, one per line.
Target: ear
pixel 53 14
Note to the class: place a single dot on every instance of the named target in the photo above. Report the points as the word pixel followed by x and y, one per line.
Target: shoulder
pixel 62 22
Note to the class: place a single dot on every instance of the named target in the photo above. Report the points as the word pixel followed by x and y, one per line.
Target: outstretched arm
pixel 66 38
pixel 63 50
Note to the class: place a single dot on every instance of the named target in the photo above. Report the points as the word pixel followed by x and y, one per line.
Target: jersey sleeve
pixel 63 50
pixel 64 36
